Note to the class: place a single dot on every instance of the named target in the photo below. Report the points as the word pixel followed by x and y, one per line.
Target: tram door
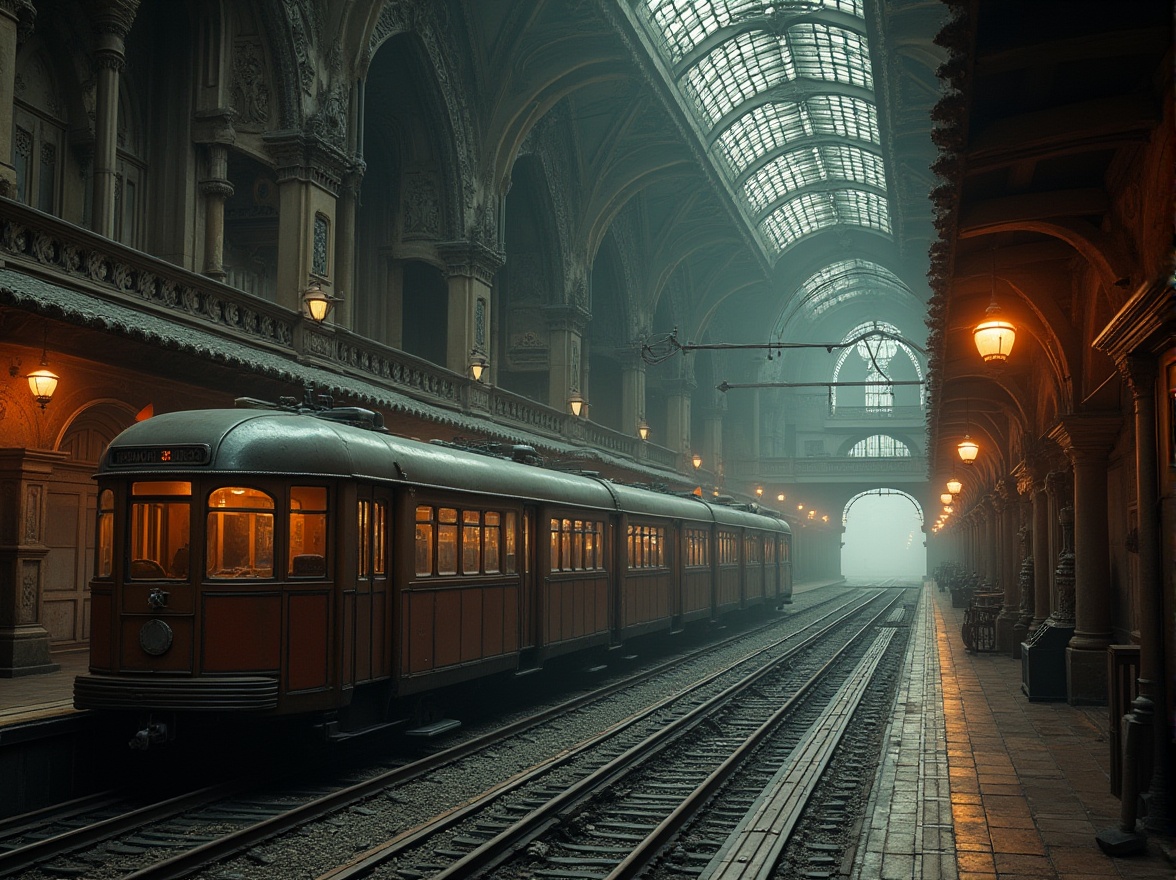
pixel 529 601
pixel 371 639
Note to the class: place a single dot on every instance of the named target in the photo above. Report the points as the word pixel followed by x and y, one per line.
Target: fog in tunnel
pixel 883 538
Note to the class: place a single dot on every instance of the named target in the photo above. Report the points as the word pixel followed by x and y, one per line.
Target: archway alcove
pixel 883 536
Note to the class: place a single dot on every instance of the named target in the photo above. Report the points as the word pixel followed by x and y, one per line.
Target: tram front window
pixel 240 534
pixel 160 529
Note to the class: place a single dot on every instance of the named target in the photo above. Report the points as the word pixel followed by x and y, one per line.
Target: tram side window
pixel 240 533
pixel 479 543
pixel 647 546
pixel 577 545
pixel 160 529
pixel 754 550
pixel 728 549
pixel 104 564
pixel 697 547
pixel 308 531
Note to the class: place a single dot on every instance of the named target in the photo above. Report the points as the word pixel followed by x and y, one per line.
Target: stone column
pixel 346 208
pixel 1149 709
pixel 216 189
pixel 991 554
pixel 24 642
pixel 1087 440
pixel 1041 560
pixel 1007 513
pixel 565 360
pixel 1061 605
pixel 681 390
pixel 712 440
pixel 470 269
pixel 112 22
pixel 633 394
pixel 16 23
pixel 309 172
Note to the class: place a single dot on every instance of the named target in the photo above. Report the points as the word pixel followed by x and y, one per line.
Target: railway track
pixel 777 728
pixel 191 836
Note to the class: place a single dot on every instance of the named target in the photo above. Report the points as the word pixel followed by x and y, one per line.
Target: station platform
pixel 976 782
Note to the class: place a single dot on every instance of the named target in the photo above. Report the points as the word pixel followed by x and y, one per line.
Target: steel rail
pixel 186 863
pixel 500 848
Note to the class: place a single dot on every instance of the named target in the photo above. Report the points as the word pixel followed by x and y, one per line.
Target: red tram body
pixel 280 562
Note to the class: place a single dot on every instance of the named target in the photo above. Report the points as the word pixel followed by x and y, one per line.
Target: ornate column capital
pixel 308 157
pixel 566 316
pixel 1084 436
pixel 471 259
pixel 24 13
pixel 1140 373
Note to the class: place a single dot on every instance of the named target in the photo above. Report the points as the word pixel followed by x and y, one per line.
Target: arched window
pixel 880 446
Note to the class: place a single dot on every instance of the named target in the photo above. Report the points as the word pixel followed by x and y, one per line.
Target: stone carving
pixel 32 523
pixel 303 29
pixel 330 120
pixel 319 256
pixel 1063 614
pixel 29 591
pixel 422 211
pixel 250 92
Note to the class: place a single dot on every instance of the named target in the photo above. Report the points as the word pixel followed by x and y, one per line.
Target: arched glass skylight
pixel 783 93
pixel 876 352
pixel 880 446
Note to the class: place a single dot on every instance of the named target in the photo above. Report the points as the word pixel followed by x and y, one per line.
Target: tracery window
pixel 880 446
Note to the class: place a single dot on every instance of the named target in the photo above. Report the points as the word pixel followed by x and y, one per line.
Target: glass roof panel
pixel 770 127
pixel 831 53
pixel 767 70
pixel 739 69
pixel 683 24
pixel 811 165
pixel 842 281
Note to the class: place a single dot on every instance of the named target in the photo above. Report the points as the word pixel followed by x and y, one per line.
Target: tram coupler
pixel 153 733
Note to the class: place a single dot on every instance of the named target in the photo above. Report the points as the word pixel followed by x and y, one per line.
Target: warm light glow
pixel 478 366
pixel 954 486
pixel 968 449
pixel 780 497
pixel 696 460
pixel 947 508
pixel 42 383
pixel 576 404
pixel 994 336
pixel 759 491
pixel 825 518
pixel 643 430
pixel 317 303
pixel 800 507
pixel 945 498
pixel 812 514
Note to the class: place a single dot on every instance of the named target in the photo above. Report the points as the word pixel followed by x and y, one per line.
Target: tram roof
pixel 265 441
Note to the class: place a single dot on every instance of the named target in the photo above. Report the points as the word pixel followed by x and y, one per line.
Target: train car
pixel 286 561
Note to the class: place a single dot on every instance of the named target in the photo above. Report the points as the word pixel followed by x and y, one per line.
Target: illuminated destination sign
pixel 131 456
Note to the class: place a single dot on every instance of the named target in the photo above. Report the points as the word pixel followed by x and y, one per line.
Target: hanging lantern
pixel 946 498
pixel 954 486
pixel 968 449
pixel 994 336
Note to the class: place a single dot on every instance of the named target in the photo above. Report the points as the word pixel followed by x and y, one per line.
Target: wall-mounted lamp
pixel 576 404
pixel 696 460
pixel 800 507
pixel 759 491
pixel 780 497
pixel 812 514
pixel 946 498
pixel 954 486
pixel 968 449
pixel 317 303
pixel 643 430
pixel 479 363
pixel 42 382
pixel 947 508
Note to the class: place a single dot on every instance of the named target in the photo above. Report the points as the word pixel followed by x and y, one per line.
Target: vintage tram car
pixel 284 560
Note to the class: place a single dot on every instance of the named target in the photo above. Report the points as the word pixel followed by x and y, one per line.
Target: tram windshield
pixel 160 529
